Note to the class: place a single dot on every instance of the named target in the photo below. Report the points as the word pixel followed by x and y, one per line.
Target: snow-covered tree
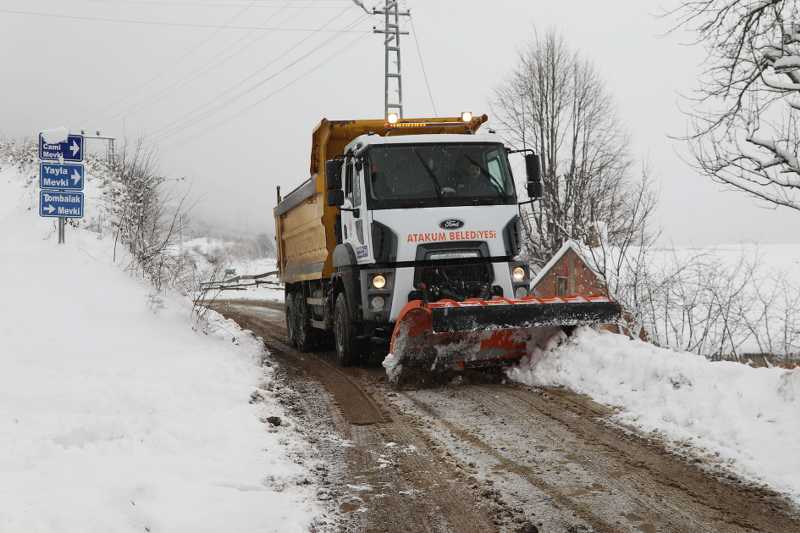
pixel 745 129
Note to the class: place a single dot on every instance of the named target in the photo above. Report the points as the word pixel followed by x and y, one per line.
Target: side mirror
pixel 534 174
pixel 532 167
pixel 336 197
pixel 333 174
pixel 534 190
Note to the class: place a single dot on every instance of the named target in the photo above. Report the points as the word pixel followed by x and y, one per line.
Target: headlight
pixel 392 118
pixel 521 293
pixel 378 281
pixel 466 116
pixel 517 274
pixel 377 303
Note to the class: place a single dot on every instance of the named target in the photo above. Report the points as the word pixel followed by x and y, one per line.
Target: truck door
pixel 354 224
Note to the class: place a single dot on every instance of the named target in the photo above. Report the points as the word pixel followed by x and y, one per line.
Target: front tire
pixel 346 345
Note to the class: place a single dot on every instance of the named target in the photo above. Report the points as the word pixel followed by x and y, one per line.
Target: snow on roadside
pixel 114 414
pixel 747 418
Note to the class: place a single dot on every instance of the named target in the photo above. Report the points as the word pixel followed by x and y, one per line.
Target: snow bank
pixel 747 417
pixel 114 414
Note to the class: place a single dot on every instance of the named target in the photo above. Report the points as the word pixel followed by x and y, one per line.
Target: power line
pixel 189 52
pixel 213 105
pixel 422 64
pixel 298 4
pixel 165 23
pixel 201 113
pixel 202 69
pixel 260 101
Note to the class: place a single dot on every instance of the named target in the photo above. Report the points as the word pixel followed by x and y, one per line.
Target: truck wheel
pixel 346 346
pixel 288 309
pixel 304 334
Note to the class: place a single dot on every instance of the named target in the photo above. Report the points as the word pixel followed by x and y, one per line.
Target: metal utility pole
pixel 109 144
pixel 393 83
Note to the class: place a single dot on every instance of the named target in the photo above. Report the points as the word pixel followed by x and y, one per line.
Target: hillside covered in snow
pixel 118 410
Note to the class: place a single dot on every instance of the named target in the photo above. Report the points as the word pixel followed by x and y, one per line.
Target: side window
pixel 356 188
pixel 494 169
pixel 348 178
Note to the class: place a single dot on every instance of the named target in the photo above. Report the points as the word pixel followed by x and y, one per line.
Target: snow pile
pixel 55 135
pixel 114 414
pixel 748 418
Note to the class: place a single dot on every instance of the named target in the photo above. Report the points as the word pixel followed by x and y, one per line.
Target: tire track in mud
pixel 524 471
pixel 497 457
pixel 357 407
pixel 612 479
pixel 727 502
pixel 394 482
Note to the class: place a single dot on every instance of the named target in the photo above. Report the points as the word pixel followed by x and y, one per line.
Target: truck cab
pixel 422 217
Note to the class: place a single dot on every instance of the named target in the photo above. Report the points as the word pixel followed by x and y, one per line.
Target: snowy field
pixel 746 419
pixel 738 301
pixel 115 415
pixel 202 248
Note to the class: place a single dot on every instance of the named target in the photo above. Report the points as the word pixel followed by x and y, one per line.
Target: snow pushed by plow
pixel 746 419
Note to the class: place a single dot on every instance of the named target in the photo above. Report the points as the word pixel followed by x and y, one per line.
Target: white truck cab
pixel 425 217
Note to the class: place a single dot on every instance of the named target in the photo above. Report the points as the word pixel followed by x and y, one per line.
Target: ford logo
pixel 451 223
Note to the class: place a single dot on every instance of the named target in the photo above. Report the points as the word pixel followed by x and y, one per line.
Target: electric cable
pixel 189 52
pixel 164 23
pixel 273 93
pixel 422 65
pixel 188 120
pixel 202 69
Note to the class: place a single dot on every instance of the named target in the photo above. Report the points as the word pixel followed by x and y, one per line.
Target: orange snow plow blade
pixel 451 335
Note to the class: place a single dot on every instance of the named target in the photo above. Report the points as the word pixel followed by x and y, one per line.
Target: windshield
pixel 428 175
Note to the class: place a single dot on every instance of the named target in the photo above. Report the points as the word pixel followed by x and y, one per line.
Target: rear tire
pixel 288 310
pixel 346 345
pixel 305 336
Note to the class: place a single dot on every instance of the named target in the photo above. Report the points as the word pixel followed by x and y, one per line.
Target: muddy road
pixel 482 457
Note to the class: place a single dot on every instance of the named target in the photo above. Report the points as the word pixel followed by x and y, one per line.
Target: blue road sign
pixel 60 204
pixel 65 176
pixel 71 150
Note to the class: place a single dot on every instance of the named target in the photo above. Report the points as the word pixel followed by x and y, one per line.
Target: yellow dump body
pixel 304 223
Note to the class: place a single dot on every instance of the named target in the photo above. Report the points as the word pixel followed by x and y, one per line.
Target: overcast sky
pixel 233 109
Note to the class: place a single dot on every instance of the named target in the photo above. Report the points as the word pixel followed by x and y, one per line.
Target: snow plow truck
pixel 405 241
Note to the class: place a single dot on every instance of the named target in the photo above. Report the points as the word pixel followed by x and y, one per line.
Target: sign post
pixel 61 182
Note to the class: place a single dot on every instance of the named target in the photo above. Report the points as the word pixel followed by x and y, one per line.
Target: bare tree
pixel 145 216
pixel 555 102
pixel 744 123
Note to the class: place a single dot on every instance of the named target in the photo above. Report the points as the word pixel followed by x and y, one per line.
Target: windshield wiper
pixel 438 187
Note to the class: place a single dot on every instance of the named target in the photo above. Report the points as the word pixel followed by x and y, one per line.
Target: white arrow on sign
pixel 75 177
pixel 49 209
pixel 75 148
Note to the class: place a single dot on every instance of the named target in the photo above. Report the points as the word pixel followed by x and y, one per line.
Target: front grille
pixel 443 274
pixel 454 270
